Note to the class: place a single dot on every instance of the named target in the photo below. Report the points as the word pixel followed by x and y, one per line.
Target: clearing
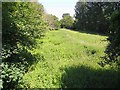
pixel 70 59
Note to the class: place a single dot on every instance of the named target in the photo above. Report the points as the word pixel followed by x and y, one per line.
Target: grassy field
pixel 70 59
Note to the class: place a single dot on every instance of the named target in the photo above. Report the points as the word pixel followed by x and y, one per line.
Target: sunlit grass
pixel 62 49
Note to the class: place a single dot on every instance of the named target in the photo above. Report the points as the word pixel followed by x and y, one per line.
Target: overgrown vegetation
pixel 22 23
pixel 113 49
pixel 62 58
pixel 71 60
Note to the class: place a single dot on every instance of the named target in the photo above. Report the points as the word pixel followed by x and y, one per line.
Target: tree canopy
pixel 52 21
pixel 113 49
pixel 67 21
pixel 94 16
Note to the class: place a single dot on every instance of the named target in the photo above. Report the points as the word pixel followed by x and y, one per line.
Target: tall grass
pixel 70 59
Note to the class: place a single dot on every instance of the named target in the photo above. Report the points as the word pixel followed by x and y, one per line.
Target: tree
pixel 113 48
pixel 52 21
pixel 94 16
pixel 80 14
pixel 67 21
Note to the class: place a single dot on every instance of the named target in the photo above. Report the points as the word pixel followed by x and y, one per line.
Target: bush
pixel 113 48
pixel 12 75
pixel 22 24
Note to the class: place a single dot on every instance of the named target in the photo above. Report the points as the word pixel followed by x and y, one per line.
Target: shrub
pixel 113 48
pixel 22 24
pixel 12 75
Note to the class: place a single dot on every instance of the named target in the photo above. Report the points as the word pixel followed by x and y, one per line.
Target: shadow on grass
pixel 89 32
pixel 86 77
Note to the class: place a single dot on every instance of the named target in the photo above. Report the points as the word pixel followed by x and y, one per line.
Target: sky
pixel 58 7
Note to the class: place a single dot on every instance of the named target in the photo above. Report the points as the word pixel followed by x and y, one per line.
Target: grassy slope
pixel 69 59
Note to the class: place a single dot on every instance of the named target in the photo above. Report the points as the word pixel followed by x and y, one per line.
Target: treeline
pixel 94 16
pixel 54 23
pixel 91 16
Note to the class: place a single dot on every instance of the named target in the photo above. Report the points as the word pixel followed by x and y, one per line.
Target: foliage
pixel 94 16
pixel 67 21
pixel 12 75
pixel 113 48
pixel 22 24
pixel 52 21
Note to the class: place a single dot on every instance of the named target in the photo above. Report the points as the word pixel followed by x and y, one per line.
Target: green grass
pixel 70 59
